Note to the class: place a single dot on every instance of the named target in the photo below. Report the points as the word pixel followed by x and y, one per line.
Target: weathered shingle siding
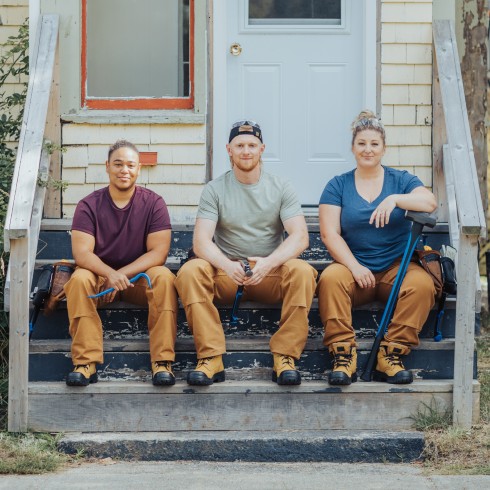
pixel 406 84
pixel 178 177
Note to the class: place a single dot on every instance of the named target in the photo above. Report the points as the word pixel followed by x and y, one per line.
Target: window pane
pixel 289 12
pixel 137 48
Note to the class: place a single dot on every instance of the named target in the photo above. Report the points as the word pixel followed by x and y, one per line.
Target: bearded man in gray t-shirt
pixel 242 216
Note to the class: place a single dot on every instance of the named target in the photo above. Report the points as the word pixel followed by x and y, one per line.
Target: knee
pixel 160 275
pixel 420 284
pixel 335 275
pixel 81 279
pixel 300 269
pixel 194 268
pixel 192 273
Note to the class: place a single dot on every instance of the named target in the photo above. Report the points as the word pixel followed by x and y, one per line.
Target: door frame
pixel 219 81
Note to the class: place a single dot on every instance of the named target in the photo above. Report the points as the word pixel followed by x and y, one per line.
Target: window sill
pixel 134 117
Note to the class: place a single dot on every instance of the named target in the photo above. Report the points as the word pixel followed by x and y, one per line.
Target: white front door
pixel 302 70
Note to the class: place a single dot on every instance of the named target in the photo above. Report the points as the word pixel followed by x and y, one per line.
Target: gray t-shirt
pixel 249 217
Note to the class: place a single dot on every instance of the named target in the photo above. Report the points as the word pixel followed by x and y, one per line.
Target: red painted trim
pixel 143 103
pixel 83 89
pixel 148 157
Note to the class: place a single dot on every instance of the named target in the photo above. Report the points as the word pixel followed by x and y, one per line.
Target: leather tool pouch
pixel 62 272
pixel 441 270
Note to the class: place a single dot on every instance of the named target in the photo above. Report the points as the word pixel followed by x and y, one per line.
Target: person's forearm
pixel 210 252
pixel 415 202
pixel 289 249
pixel 340 251
pixel 141 264
pixel 90 261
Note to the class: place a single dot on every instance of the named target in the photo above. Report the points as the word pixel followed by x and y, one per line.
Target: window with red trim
pixel 137 54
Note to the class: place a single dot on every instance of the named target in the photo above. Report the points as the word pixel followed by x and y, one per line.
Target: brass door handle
pixel 235 49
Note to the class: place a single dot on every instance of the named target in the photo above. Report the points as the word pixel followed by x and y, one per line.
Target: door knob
pixel 235 49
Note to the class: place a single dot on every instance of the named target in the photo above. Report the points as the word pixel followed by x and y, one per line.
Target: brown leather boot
pixel 390 367
pixel 284 371
pixel 82 375
pixel 344 356
pixel 162 374
pixel 208 371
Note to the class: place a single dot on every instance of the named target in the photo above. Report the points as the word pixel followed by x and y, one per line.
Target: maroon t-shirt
pixel 120 234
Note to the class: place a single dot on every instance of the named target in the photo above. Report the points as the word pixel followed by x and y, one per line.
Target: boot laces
pixel 287 361
pixel 203 362
pixel 165 364
pixel 394 359
pixel 342 360
pixel 85 367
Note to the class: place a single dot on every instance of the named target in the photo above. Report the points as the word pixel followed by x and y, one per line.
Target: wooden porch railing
pixel 24 215
pixel 456 184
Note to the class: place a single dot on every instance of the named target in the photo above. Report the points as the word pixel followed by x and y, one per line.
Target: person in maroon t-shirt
pixel 118 232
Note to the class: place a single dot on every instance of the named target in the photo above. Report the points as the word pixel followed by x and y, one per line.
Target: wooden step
pixel 129 359
pixel 246 405
pixel 122 320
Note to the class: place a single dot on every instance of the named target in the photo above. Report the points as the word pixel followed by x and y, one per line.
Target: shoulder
pixel 147 194
pixel 277 181
pixel 403 177
pixel 94 198
pixel 339 181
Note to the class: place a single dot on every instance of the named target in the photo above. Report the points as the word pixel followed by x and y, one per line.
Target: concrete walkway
pixel 191 475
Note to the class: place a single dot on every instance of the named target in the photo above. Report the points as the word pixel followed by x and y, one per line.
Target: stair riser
pixel 262 411
pixel 426 364
pixel 132 323
pixel 55 245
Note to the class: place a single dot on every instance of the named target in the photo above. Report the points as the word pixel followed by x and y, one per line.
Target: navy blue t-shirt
pixel 374 248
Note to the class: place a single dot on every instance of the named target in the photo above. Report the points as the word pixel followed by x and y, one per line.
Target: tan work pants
pixel 85 324
pixel 200 284
pixel 338 292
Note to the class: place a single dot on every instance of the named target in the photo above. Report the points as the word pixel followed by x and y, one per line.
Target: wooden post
pixel 23 216
pixel 438 140
pixel 460 162
pixel 465 331
pixel 52 132
pixel 19 336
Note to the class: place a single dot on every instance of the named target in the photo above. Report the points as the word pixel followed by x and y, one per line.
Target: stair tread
pixel 247 387
pixel 233 344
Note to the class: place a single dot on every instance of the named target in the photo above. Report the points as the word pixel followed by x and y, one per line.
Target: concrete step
pixel 246 359
pixel 338 446
pixel 246 405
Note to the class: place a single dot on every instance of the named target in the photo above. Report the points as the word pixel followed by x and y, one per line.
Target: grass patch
pixel 24 454
pixel 451 450
pixel 431 417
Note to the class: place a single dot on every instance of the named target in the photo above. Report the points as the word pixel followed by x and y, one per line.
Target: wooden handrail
pixel 464 207
pixel 24 215
pixel 24 181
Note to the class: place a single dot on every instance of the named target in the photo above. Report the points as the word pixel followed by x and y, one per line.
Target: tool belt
pixel 62 272
pixel 441 269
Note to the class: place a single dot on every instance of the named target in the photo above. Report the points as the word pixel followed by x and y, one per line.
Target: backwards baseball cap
pixel 245 127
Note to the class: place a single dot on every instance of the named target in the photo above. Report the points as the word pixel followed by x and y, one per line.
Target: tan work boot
pixel 284 371
pixel 344 357
pixel 162 374
pixel 82 375
pixel 390 367
pixel 208 371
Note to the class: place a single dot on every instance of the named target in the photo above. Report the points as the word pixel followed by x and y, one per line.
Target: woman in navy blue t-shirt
pixel 362 225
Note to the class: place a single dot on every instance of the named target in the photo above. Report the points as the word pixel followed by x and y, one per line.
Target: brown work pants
pixel 338 292
pixel 200 284
pixel 86 326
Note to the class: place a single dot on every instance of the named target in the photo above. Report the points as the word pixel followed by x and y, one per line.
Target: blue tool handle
pixel 135 278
